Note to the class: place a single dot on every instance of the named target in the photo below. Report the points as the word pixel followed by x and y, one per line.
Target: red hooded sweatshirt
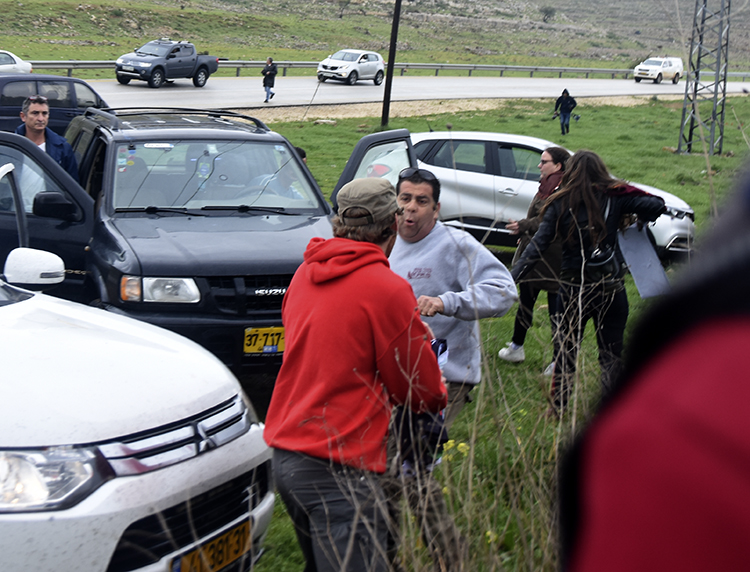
pixel 355 345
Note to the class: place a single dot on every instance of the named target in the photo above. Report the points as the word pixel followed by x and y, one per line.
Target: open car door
pixel 382 155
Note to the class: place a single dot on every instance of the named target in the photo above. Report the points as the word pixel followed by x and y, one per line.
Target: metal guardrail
pixel 239 65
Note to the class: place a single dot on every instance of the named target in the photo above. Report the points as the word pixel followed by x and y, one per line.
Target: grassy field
pixel 499 475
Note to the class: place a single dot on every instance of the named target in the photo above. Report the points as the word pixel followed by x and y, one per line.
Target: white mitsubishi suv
pixel 122 446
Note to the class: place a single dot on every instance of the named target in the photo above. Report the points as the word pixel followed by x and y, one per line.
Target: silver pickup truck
pixel 164 60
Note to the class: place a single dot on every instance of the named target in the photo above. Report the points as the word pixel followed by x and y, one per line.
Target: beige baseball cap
pixel 375 195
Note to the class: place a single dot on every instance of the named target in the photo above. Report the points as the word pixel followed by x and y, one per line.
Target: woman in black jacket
pixel 586 213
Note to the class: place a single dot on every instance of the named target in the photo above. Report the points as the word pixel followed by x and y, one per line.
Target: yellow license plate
pixel 264 340
pixel 217 553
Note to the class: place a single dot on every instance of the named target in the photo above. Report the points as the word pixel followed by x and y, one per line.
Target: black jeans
pixel 339 513
pixel 527 295
pixel 579 304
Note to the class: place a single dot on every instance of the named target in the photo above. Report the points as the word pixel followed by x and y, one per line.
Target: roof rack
pixel 113 116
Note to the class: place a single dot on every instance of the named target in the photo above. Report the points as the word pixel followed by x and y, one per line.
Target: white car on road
pixel 352 65
pixel 11 63
pixel 657 69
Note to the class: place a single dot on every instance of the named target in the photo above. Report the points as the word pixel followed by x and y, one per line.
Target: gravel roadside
pixel 271 114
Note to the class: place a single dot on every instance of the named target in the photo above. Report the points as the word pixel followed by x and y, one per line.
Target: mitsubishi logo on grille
pixel 206 442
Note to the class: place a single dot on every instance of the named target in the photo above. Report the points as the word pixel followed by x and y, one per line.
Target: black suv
pixel 191 220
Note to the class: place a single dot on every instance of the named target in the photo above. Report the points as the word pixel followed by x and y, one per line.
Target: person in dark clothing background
pixel 586 212
pixel 565 104
pixel 269 78
pixel 546 273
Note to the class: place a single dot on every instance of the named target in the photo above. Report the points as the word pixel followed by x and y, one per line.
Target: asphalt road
pixel 247 92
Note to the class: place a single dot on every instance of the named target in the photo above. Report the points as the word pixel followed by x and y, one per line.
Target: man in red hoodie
pixel 355 346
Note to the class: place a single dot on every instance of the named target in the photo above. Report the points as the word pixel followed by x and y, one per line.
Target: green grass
pixel 501 484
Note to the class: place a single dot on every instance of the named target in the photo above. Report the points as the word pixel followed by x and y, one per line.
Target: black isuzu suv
pixel 191 220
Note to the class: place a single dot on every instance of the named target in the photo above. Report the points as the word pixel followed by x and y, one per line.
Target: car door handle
pixel 508 191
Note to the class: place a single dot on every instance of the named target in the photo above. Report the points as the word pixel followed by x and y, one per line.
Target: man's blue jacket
pixel 57 148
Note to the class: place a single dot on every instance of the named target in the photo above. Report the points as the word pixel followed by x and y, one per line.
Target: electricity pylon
pixel 706 81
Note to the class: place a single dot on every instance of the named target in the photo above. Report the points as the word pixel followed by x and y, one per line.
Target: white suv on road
pixel 657 69
pixel 123 447
pixel 352 65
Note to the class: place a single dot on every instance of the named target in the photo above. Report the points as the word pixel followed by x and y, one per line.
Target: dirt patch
pixel 414 108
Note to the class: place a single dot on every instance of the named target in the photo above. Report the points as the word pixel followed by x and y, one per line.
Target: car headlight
pixel 49 479
pixel 144 64
pixel 119 60
pixel 174 290
pixel 680 213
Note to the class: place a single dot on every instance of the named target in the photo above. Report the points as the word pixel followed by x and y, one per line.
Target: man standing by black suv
pixel 35 116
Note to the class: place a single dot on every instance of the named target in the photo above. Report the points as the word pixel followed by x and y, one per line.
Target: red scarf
pixel 549 183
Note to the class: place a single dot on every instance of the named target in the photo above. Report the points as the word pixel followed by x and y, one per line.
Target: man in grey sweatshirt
pixel 455 279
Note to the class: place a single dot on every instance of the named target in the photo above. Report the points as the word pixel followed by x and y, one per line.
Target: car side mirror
pixel 171 56
pixel 33 269
pixel 54 204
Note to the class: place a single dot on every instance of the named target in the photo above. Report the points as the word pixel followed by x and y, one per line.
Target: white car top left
pixel 11 63
pixel 122 446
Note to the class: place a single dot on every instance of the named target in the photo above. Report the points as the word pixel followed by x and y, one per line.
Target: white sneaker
pixel 509 354
pixel 550 369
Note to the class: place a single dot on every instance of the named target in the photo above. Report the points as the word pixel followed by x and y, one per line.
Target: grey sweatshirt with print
pixel 470 281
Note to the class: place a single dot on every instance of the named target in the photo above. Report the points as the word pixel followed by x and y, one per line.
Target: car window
pixel 14 93
pixel 462 155
pixel 30 177
pixel 519 162
pixel 57 93
pixel 197 174
pixel 345 56
pixel 5 59
pixel 85 96
pixel 385 161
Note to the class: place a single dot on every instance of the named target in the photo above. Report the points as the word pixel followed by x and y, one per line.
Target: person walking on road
pixel 565 104
pixel 269 78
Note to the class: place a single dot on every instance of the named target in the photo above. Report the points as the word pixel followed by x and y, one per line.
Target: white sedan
pixel 11 63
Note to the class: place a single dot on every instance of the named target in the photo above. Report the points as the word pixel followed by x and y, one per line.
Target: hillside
pixel 580 32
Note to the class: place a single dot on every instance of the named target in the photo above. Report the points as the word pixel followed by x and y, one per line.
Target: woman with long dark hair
pixel 586 213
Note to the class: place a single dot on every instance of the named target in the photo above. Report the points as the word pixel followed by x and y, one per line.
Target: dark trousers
pixel 609 311
pixel 339 513
pixel 527 296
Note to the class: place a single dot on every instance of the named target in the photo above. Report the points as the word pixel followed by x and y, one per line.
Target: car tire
pixel 676 78
pixel 378 78
pixel 322 78
pixel 352 79
pixel 200 78
pixel 124 80
pixel 637 80
pixel 658 79
pixel 157 78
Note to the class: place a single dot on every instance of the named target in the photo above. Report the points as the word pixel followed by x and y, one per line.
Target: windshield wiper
pixel 247 208
pixel 157 210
